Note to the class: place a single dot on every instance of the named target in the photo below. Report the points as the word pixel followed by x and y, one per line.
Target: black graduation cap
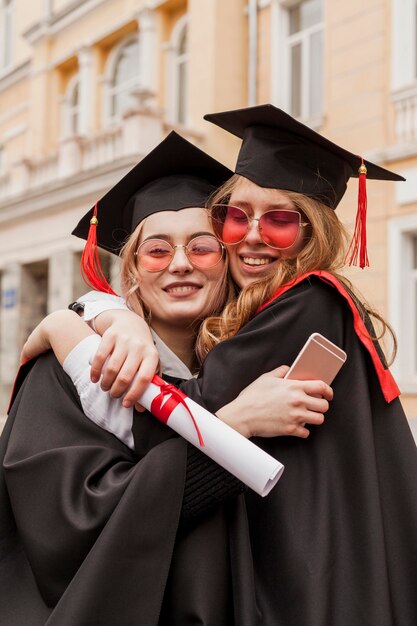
pixel 175 175
pixel 282 153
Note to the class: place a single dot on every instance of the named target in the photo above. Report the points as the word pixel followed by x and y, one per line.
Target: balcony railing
pixel 102 149
pixel 136 134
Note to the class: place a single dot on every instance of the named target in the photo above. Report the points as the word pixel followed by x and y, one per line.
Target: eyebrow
pixel 248 205
pixel 167 237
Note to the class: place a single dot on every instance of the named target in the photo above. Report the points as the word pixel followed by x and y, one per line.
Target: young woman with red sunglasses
pixel 348 502
pixel 345 511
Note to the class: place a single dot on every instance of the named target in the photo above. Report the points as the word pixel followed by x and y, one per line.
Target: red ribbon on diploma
pixel 162 410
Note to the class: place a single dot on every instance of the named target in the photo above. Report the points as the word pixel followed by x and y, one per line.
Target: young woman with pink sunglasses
pixel 345 511
pixel 95 531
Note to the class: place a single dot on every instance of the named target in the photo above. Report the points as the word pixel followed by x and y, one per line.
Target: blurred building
pixel 88 87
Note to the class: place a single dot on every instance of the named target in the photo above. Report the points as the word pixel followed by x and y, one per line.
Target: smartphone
pixel 319 359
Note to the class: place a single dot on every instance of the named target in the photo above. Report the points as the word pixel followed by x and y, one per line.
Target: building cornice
pixel 396 152
pixel 15 75
pixel 13 112
pixel 65 193
pixel 60 20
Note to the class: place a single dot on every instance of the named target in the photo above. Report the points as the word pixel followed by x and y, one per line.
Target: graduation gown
pixel 335 542
pixel 94 534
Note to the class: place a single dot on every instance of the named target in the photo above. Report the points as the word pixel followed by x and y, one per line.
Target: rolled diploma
pixel 253 466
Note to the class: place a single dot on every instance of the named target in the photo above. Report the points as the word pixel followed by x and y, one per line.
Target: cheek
pixel 287 236
pixel 233 230
pixel 213 281
pixel 146 290
pixel 295 248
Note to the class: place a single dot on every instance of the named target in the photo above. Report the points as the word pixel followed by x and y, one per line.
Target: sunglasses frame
pixel 199 267
pixel 250 220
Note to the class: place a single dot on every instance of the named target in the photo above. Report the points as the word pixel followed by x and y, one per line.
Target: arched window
pixel 124 76
pixel 6 26
pixel 178 74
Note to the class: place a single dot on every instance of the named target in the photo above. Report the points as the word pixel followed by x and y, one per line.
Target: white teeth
pixel 181 289
pixel 250 261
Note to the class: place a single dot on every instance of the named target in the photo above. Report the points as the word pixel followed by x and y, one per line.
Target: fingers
pixel 300 430
pixel 119 371
pixel 124 365
pixel 103 352
pixel 122 371
pixel 142 379
pixel 317 405
pixel 317 388
pixel 312 418
pixel 121 374
pixel 25 355
pixel 280 371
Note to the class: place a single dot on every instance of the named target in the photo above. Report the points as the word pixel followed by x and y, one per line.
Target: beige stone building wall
pixel 61 147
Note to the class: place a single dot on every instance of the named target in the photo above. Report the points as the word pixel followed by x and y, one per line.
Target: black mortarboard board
pixel 280 152
pixel 175 175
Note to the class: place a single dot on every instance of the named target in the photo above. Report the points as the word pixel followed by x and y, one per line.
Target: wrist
pixel 242 424
pixel 104 320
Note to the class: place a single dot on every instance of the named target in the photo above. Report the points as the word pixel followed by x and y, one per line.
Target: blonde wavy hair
pixel 130 282
pixel 324 249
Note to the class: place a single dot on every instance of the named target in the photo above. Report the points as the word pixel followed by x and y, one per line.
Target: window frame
pixel 173 74
pixel 110 91
pixel 280 61
pixel 404 43
pixel 69 110
pixel 7 20
pixel 403 298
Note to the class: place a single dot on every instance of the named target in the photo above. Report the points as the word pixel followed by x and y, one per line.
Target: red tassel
pixel 91 269
pixel 357 249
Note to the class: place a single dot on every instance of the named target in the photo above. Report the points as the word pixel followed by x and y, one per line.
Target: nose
pixel 180 263
pixel 253 236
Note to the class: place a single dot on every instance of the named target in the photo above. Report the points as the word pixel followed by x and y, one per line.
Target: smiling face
pixel 252 259
pixel 181 294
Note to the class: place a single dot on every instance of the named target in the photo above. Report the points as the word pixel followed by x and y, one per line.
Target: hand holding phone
pixel 319 359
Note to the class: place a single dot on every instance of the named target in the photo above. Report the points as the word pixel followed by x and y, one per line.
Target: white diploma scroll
pixel 246 461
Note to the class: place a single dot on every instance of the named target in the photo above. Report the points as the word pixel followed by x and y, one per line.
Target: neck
pixel 180 340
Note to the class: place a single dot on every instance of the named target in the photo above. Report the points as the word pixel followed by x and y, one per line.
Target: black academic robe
pixel 335 542
pixel 93 534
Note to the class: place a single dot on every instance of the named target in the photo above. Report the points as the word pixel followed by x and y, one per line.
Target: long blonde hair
pixel 130 281
pixel 324 249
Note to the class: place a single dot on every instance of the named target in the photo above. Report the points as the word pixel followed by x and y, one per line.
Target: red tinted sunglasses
pixel 277 228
